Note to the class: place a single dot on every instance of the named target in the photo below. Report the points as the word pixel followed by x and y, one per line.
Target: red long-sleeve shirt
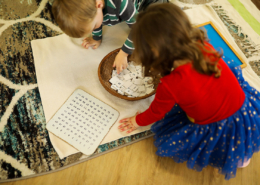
pixel 204 98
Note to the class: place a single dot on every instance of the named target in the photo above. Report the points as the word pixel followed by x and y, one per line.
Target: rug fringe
pixel 244 42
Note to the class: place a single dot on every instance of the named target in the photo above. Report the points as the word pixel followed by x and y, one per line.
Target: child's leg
pixel 244 164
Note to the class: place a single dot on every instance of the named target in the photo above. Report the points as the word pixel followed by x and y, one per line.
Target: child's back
pixel 204 112
pixel 205 98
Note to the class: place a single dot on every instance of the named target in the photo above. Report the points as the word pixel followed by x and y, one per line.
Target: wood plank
pixel 138 164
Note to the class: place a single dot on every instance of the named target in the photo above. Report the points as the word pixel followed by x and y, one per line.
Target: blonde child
pixel 204 112
pixel 78 18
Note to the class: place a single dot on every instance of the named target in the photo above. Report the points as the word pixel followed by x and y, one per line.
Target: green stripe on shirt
pixel 97 33
pixel 129 44
pixel 110 16
pixel 123 6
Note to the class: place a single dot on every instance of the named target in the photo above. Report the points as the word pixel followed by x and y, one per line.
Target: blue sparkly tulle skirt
pixel 223 144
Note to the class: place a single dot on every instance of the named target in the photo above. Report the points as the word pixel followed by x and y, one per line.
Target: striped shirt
pixel 117 11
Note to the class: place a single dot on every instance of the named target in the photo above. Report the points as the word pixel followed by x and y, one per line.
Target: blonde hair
pixel 73 16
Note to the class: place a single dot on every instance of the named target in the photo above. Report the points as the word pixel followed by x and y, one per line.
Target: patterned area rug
pixel 25 148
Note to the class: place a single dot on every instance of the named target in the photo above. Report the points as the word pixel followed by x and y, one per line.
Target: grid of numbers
pixel 83 121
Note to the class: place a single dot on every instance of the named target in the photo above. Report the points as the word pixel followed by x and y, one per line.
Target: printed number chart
pixel 83 121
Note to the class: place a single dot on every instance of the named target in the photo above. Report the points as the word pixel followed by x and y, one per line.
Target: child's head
pixel 77 18
pixel 163 34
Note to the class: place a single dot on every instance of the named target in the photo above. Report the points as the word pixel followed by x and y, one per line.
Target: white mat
pixel 62 65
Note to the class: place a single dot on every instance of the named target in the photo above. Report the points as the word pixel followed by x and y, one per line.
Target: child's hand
pixel 120 61
pixel 128 124
pixel 90 42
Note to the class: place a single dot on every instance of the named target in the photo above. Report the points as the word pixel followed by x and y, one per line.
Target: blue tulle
pixel 222 144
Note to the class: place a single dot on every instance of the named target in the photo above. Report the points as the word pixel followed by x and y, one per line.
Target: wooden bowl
pixel 105 74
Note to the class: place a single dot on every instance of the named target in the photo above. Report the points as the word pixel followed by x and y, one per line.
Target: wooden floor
pixel 137 164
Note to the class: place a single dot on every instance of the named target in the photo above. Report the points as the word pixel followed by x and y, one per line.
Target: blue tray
pixel 218 41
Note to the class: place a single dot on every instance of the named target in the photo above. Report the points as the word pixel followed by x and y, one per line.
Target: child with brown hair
pixel 78 18
pixel 204 112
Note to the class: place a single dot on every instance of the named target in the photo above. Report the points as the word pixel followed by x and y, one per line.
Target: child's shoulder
pixel 111 4
pixel 114 4
pixel 119 5
pixel 178 73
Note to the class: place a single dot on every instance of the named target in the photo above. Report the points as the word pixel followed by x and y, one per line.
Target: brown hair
pixel 73 16
pixel 163 34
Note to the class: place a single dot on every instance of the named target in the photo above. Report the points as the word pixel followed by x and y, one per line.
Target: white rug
pixel 62 66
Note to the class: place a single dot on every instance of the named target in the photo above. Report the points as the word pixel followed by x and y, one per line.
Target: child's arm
pixel 120 61
pixel 128 124
pixel 93 41
pixel 161 105
pixel 97 34
pixel 127 13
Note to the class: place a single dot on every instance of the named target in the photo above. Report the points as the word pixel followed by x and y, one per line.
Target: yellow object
pixel 191 119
